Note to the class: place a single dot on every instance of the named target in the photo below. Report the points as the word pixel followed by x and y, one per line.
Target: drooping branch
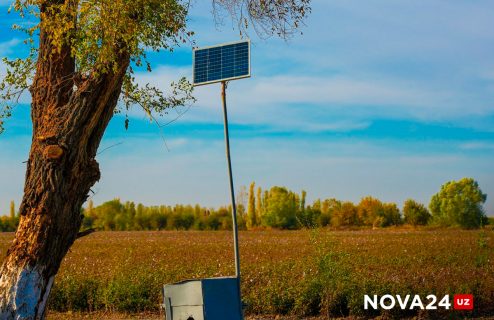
pixel 267 17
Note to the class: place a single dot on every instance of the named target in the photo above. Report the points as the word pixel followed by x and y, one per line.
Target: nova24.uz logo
pixel 409 302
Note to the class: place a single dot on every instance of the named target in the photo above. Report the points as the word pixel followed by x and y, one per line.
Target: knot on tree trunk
pixel 93 170
pixel 52 152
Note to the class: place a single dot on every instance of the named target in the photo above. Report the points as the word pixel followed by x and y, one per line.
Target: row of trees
pixel 285 209
pixel 115 215
pixel 277 207
pixel 458 203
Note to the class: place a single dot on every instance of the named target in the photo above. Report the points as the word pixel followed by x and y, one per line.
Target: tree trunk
pixel 69 117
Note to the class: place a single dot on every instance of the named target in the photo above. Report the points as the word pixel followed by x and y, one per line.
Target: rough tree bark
pixel 69 117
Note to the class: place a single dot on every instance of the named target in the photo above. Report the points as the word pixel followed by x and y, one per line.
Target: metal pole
pixel 232 192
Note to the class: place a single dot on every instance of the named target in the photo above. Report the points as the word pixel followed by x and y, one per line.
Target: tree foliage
pixel 266 17
pixel 99 34
pixel 459 203
pixel 281 208
pixel 9 223
pixel 117 216
pixel 251 208
pixel 391 216
pixel 415 213
pixel 259 205
pixel 12 209
pixel 369 211
pixel 373 212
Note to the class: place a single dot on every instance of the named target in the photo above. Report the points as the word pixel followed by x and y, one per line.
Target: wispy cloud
pixel 301 101
pixel 3 69
pixel 8 47
pixel 5 3
pixel 163 75
pixel 395 58
pixel 337 90
pixel 478 145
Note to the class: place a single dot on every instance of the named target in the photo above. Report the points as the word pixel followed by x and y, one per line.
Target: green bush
pixel 124 295
pixel 459 203
pixel 415 213
pixel 70 294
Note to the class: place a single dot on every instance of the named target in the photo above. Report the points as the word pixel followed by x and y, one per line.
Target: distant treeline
pixel 458 203
pixel 277 208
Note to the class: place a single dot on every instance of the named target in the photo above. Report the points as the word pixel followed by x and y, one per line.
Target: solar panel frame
pixel 220 79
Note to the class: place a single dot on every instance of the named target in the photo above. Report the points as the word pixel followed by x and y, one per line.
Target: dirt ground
pixel 146 316
pixel 154 316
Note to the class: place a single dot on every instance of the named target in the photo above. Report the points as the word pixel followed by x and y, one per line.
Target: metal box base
pixel 203 299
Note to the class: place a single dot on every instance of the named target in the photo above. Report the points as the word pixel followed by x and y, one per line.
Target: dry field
pixel 289 273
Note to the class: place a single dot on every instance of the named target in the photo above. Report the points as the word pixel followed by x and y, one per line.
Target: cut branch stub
pixel 46 137
pixel 53 152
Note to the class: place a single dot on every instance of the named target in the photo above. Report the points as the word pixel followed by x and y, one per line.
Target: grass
pixel 291 273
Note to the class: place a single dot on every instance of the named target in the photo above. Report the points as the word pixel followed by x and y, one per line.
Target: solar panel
pixel 222 62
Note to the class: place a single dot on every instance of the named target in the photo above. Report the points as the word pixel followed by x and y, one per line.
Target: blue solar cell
pixel 221 62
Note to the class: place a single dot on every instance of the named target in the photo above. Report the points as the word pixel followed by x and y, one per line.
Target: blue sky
pixel 384 98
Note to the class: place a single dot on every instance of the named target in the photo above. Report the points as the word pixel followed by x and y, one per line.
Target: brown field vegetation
pixel 300 273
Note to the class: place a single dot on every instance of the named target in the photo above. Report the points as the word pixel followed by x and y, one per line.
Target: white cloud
pixel 7 47
pixel 308 103
pixel 477 145
pixel 6 3
pixel 162 76
pixel 399 59
pixel 3 69
pixel 335 90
